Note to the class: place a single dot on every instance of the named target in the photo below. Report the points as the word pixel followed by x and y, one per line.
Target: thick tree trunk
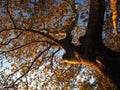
pixel 93 38
pixel 92 46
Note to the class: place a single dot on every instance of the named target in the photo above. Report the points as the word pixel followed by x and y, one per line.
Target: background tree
pixel 59 44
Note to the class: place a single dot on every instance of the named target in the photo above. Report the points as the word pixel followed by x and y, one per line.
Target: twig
pixel 32 64
pixel 6 43
pixel 25 45
pixel 10 14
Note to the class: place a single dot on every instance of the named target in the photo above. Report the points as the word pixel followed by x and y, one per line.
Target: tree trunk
pixel 92 46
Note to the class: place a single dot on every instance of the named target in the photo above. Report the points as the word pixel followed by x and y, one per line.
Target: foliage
pixel 30 49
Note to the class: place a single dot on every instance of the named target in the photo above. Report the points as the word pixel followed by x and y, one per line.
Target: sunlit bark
pixel 114 15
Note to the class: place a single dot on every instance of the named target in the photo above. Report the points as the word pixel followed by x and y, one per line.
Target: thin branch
pixel 32 64
pixel 53 56
pixel 20 67
pixel 25 45
pixel 7 42
pixel 26 83
pixel 10 14
pixel 34 31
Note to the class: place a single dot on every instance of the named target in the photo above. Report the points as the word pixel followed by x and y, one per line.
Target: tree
pixel 34 34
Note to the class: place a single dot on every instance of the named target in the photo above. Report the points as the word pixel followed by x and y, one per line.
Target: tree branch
pixel 74 20
pixel 24 46
pixel 7 42
pixel 20 67
pixel 66 43
pixel 10 14
pixel 53 56
pixel 34 31
pixel 27 83
pixel 32 64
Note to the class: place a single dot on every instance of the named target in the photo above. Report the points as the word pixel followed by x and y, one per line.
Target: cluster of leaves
pixel 30 55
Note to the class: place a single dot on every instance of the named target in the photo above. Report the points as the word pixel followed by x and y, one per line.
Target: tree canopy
pixel 59 44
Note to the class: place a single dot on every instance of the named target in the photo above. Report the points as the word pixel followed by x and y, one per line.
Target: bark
pixel 93 46
pixel 93 38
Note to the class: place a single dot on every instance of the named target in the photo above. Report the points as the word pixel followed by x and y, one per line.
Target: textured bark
pixel 93 46
pixel 93 38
